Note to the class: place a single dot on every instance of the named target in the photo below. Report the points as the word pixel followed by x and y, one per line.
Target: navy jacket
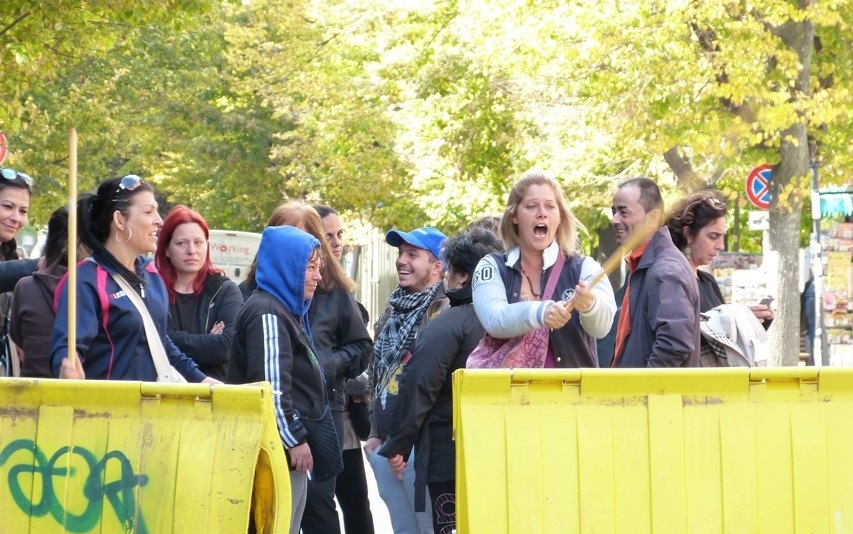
pixel 110 333
pixel 664 309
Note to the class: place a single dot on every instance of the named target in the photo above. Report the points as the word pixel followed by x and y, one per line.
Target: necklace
pixel 530 283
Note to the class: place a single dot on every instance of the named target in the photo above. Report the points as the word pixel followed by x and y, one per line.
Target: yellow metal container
pixel 633 451
pixel 121 457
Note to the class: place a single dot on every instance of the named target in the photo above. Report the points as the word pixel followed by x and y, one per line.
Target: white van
pixel 233 252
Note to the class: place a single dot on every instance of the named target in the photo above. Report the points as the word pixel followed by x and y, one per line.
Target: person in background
pixel 807 317
pixel 16 191
pixel 536 227
pixel 32 315
pixel 272 342
pixel 658 322
pixel 423 417
pixel 418 298
pixel 203 302
pixel 351 485
pixel 119 224
pixel 697 226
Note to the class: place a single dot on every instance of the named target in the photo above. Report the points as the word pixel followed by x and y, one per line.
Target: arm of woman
pixel 269 356
pixel 353 346
pixel 87 321
pixel 13 270
pixel 212 349
pixel 597 317
pixel 500 318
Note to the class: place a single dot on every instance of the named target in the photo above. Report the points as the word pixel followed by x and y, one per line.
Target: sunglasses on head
pixel 11 175
pixel 128 183
pixel 713 202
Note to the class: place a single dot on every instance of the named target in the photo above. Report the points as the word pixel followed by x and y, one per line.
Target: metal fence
pixel 371 265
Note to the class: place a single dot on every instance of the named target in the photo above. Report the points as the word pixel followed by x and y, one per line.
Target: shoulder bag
pixel 528 350
pixel 166 372
pixel 322 435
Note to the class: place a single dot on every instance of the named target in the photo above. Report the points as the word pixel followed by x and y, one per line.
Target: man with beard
pixel 419 296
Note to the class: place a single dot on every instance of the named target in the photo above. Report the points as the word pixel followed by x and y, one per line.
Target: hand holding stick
pixel 612 263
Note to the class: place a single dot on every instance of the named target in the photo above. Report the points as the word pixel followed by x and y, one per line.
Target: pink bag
pixel 527 350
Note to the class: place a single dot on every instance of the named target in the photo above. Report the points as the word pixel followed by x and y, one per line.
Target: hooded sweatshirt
pixel 31 324
pixel 272 340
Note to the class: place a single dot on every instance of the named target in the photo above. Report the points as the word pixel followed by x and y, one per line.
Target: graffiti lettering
pixel 119 493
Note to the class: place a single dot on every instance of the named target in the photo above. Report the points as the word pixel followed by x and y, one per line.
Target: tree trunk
pixel 785 209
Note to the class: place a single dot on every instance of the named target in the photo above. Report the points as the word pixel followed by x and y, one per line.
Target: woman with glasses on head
pixel 16 190
pixel 203 302
pixel 119 223
pixel 697 225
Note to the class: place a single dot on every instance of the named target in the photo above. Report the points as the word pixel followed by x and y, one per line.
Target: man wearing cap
pixel 419 297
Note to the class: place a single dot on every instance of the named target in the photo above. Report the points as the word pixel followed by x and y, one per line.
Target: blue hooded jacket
pixel 268 343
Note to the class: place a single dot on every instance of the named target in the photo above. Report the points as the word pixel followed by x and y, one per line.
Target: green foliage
pixel 406 114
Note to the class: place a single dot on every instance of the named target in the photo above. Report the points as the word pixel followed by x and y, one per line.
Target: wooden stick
pixel 612 263
pixel 72 246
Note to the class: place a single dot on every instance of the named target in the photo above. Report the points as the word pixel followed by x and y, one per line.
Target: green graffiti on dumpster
pixel 119 493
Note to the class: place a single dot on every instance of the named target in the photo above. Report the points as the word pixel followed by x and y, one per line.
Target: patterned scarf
pixel 399 331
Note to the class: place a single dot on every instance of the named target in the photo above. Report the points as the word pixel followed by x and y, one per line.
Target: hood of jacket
pixel 49 277
pixel 282 259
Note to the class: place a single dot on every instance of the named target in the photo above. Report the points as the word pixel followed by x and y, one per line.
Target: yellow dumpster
pixel 632 451
pixel 122 457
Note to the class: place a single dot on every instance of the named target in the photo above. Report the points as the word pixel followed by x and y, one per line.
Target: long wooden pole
pixel 72 246
pixel 612 263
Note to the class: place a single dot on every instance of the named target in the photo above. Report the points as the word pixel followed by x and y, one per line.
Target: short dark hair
pixel 650 197
pixel 324 211
pixel 463 251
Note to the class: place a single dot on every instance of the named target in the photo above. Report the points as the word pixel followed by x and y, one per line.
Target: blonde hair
pixel 567 231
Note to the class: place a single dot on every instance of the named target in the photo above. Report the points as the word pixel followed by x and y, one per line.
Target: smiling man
pixel 658 323
pixel 418 298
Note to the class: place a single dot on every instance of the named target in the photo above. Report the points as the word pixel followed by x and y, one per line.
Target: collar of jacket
pixel 549 256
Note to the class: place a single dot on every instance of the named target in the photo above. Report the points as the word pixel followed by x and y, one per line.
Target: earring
pixel 129 235
pixel 688 252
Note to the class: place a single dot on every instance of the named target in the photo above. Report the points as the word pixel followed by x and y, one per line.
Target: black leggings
pixel 443 497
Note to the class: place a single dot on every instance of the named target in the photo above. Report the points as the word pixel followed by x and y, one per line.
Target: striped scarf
pixel 399 332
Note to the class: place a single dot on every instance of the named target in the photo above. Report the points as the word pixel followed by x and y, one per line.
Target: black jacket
pixel 342 342
pixel 271 344
pixel 424 408
pixel 219 301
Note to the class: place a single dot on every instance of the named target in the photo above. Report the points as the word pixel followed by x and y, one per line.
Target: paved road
pixel 381 521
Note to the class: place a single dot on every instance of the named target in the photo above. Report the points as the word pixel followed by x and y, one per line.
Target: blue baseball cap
pixel 425 237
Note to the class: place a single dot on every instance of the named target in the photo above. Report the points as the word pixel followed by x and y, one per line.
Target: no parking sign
pixel 758 186
pixel 2 148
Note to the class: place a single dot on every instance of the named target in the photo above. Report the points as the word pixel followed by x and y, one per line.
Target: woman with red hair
pixel 203 302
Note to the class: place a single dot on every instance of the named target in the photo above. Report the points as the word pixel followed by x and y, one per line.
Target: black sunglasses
pixel 128 183
pixel 12 175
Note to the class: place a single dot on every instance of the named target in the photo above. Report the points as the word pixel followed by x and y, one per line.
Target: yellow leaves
pixel 791 196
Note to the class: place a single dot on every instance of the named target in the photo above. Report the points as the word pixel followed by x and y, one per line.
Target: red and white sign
pixel 2 148
pixel 758 186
